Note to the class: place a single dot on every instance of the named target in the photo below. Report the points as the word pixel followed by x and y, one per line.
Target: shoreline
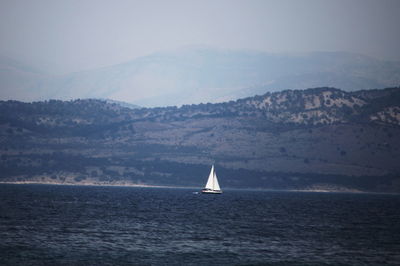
pixel 93 184
pixel 99 184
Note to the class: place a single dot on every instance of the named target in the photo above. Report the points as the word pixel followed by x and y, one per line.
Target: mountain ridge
pixel 207 75
pixel 294 139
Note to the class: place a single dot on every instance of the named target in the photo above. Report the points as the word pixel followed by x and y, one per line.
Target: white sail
pixel 215 184
pixel 210 181
pixel 212 186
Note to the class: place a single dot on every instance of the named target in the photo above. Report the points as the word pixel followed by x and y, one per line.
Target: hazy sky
pixel 71 35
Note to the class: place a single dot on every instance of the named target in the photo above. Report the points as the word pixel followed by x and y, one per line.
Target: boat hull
pixel 207 191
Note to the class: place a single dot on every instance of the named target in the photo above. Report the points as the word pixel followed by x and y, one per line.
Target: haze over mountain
pixel 200 75
pixel 20 81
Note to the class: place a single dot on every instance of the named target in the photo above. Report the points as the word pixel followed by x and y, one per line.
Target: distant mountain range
pixel 200 75
pixel 321 139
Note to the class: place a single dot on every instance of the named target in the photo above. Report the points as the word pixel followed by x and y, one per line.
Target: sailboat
pixel 212 186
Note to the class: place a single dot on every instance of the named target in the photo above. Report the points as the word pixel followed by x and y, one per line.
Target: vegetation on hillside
pixel 321 137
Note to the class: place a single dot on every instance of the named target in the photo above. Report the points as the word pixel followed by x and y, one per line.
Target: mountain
pixel 323 138
pixel 20 81
pixel 122 104
pixel 200 75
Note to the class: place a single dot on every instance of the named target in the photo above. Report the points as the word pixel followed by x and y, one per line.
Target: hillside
pixel 321 138
pixel 196 75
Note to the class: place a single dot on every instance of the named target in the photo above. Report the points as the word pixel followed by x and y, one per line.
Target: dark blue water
pixel 74 225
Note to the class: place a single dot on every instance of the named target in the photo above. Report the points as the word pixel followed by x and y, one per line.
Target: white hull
pixel 211 191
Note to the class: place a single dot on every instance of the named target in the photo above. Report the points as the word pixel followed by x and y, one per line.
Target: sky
pixel 62 36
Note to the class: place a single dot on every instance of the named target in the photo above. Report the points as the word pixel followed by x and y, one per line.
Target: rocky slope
pixel 320 138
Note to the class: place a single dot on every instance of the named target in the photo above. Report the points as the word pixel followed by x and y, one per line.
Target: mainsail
pixel 210 181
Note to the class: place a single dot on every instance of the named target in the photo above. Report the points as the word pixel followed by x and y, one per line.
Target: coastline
pixel 99 184
pixel 128 184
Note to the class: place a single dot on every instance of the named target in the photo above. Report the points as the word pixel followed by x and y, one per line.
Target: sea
pixel 100 225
